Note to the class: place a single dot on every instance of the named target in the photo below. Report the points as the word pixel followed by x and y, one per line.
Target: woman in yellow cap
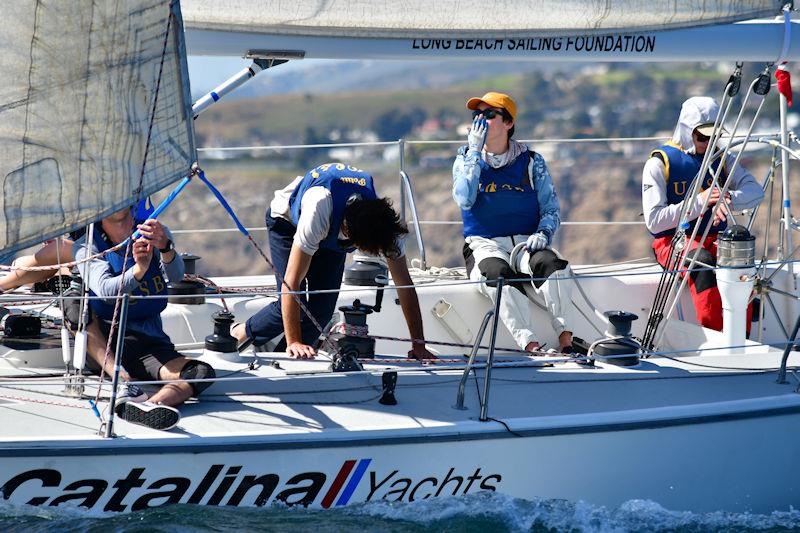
pixel 510 212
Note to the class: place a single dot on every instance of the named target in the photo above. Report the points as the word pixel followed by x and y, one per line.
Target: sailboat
pixel 97 115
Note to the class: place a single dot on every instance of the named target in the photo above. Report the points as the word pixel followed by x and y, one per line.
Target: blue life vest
pixel 152 284
pixel 506 204
pixel 143 210
pixel 343 181
pixel 680 171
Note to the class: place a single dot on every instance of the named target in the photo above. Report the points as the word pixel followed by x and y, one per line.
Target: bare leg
pixel 48 254
pixel 172 394
pixel 96 349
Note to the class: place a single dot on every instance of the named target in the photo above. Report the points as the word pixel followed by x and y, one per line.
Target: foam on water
pixel 562 515
pixel 481 512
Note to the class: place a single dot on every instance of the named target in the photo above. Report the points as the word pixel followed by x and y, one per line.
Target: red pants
pixel 702 283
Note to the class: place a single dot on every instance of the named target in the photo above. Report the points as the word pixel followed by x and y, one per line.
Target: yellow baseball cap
pixel 499 100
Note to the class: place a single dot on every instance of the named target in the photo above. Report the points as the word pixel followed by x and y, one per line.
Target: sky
pixel 206 72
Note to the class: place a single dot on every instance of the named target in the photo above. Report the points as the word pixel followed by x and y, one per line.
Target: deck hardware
pixel 346 360
pixel 735 81
pixel 763 82
pixel 221 340
pixel 388 382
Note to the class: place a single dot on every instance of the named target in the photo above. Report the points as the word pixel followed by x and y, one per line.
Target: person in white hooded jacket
pixel 668 174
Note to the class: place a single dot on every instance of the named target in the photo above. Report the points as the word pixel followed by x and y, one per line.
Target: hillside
pixel 595 181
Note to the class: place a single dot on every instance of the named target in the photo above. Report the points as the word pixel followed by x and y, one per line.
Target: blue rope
pixel 168 200
pixel 202 176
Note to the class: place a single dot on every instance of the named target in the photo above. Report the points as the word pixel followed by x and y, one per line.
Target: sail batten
pixel 75 107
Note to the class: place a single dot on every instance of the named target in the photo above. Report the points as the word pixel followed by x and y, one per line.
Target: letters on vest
pixel 681 169
pixel 152 284
pixel 342 181
pixel 506 203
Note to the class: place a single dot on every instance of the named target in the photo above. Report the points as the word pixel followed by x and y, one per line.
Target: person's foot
pixel 147 414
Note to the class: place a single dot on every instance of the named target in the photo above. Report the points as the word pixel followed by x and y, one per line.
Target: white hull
pixel 701 465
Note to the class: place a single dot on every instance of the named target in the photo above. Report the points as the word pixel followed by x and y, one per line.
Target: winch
pixel 187 292
pixel 619 341
pixel 352 342
pixel 221 343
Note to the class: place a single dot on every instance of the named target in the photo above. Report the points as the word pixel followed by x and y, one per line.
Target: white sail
pixel 464 18
pixel 79 83
pixel 517 30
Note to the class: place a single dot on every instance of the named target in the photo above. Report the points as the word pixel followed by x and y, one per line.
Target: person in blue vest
pixel 54 251
pixel 667 177
pixel 510 212
pixel 148 354
pixel 313 223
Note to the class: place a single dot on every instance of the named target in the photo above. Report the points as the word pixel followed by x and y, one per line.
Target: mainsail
pixel 80 79
pixel 519 30
pixel 464 18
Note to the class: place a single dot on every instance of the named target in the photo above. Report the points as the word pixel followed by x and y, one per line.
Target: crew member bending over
pixel 313 223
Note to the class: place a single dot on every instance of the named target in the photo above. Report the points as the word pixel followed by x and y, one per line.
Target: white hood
pixel 695 111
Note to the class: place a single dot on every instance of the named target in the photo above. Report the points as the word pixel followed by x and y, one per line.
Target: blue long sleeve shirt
pixel 466 178
pixel 104 284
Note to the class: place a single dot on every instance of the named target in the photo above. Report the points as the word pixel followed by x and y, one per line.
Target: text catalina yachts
pixel 223 485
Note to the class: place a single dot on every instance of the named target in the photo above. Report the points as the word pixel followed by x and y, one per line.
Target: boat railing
pixel 478 339
pixel 407 189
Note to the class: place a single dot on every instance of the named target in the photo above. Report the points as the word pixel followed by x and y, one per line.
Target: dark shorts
pixel 142 356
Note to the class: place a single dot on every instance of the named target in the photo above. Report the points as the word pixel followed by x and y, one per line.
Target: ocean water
pixel 486 512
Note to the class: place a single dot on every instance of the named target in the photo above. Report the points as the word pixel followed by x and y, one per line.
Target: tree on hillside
pixel 310 157
pixel 394 124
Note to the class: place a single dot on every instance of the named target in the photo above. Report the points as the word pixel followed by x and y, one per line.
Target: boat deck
pixel 283 399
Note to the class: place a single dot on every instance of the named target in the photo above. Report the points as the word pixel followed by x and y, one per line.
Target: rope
pixel 44 402
pixel 362 332
pixel 208 283
pixel 129 241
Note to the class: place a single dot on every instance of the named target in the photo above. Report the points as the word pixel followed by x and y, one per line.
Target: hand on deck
pixel 299 350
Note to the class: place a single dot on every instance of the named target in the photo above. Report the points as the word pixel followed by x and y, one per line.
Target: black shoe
pixel 148 414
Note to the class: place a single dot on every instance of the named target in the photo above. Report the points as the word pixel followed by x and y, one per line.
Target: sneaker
pixel 147 414
pixel 130 392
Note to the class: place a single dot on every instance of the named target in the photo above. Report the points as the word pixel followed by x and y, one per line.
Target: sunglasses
pixel 489 114
pixel 701 138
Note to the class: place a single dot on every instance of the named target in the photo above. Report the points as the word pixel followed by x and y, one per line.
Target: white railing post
pixel 401 146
